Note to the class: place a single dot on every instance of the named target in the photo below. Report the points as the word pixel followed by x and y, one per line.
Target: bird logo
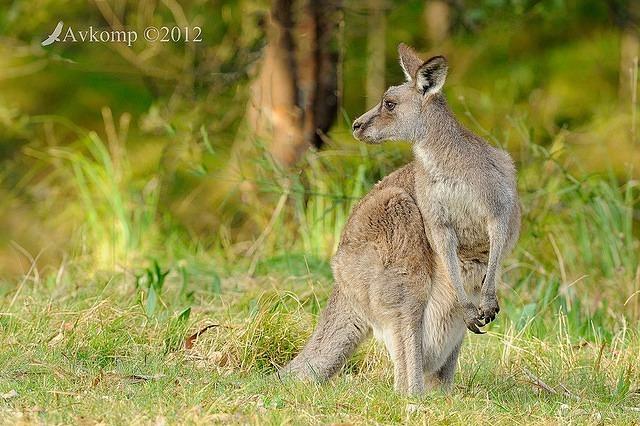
pixel 54 36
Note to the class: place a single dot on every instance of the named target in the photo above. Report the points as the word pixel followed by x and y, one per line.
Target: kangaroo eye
pixel 389 105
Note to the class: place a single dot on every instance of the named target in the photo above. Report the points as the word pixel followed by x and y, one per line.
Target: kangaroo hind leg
pixel 403 340
pixel 338 333
pixel 442 379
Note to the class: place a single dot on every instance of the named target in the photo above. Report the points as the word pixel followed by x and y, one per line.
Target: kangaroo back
pixel 338 333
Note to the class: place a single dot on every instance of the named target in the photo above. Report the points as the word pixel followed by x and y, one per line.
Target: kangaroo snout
pixel 362 124
pixel 358 129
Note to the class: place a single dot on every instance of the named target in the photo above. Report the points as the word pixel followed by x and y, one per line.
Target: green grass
pixel 90 351
pixel 101 338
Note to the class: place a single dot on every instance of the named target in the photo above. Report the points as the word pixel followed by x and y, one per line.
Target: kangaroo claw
pixel 474 328
pixel 473 318
pixel 488 310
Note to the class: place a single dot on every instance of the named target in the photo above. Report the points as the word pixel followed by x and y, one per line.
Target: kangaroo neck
pixel 443 140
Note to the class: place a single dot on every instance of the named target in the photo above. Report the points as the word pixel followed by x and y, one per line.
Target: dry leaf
pixel 140 378
pixel 412 408
pixel 56 339
pixel 96 381
pixel 10 395
pixel 189 341
pixel 218 358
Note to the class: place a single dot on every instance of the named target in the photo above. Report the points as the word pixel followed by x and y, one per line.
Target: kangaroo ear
pixel 409 61
pixel 431 75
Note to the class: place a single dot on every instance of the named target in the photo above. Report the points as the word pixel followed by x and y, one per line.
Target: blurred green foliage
pixel 113 155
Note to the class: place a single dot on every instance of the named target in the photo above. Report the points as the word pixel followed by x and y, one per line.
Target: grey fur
pixel 413 254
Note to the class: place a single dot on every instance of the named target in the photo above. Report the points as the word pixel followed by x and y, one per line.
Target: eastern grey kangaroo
pixel 419 256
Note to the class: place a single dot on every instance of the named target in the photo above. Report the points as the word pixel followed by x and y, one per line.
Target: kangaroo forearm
pixel 497 230
pixel 445 245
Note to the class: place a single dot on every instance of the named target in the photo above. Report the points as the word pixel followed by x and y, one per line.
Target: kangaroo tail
pixel 338 333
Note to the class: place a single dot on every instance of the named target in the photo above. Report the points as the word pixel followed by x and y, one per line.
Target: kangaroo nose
pixel 356 125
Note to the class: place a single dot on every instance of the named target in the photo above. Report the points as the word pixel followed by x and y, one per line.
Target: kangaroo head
pixel 401 114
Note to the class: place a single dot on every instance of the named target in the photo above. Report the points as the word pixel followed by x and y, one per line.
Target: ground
pixel 102 350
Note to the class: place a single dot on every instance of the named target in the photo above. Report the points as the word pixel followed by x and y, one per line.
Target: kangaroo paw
pixel 472 318
pixel 489 308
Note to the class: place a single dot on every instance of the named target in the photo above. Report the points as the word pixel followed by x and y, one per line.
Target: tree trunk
pixel 375 52
pixel 437 19
pixel 629 51
pixel 293 99
pixel 626 16
pixel 318 62
pixel 273 113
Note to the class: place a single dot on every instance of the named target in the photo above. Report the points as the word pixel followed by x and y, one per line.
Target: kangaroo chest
pixel 449 201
